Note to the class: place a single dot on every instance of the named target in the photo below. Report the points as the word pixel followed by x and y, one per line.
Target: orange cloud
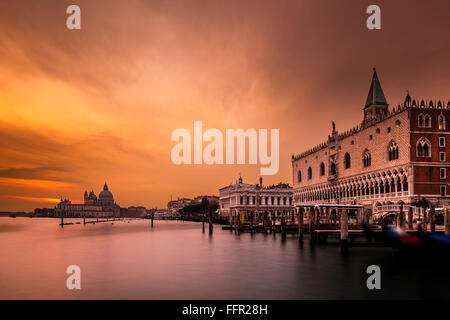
pixel 79 108
pixel 33 199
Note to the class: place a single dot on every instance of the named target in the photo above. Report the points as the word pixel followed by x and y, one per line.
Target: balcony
pixel 332 177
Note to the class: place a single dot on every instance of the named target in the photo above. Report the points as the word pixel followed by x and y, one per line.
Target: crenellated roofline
pixel 407 105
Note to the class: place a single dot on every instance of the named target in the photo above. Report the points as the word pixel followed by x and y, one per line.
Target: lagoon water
pixel 175 260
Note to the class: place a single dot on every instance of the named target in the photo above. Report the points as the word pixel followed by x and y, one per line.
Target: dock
pixel 349 225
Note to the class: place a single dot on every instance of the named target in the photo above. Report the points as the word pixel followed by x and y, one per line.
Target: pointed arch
pixel 366 158
pixel 347 160
pixel 441 121
pixel 420 120
pixel 333 168
pixel 392 151
pixel 423 147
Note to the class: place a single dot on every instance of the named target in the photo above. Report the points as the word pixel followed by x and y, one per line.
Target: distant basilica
pixel 103 206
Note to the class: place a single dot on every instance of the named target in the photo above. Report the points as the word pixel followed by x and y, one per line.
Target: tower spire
pixel 376 95
pixel 376 104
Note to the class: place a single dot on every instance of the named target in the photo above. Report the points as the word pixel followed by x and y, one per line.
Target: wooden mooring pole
pixel 300 224
pixel 400 217
pixel 410 218
pixel 344 231
pixel 447 222
pixel 312 218
pixel 210 222
pixel 62 219
pixel 432 219
pixel 203 222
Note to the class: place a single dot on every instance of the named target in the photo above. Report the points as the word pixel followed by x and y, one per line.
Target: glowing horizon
pixel 81 107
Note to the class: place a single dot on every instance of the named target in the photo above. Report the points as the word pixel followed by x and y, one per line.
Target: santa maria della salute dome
pixel 103 206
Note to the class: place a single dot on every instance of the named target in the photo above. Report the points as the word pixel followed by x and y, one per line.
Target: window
pixel 423 148
pixel 389 129
pixel 347 162
pixel 442 156
pixel 309 173
pixel 441 142
pixel 397 123
pixel 299 176
pixel 442 173
pixel 420 120
pixel 392 151
pixel 443 191
pixel 424 121
pixel 333 168
pixel 378 130
pixel 427 121
pixel 441 121
pixel 367 159
pixel 241 200
pixel 370 137
pixel 322 169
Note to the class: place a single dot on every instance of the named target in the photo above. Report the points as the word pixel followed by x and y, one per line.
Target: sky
pixel 79 108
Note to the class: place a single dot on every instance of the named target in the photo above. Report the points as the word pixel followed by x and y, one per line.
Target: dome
pixel 105 194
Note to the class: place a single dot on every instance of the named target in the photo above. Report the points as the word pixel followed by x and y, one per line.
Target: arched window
pixel 399 185
pixel 367 159
pixel 299 176
pixel 309 173
pixel 423 148
pixel 441 121
pixel 427 121
pixel 392 151
pixel 347 161
pixel 420 122
pixel 322 169
pixel 405 184
pixel 333 168
pixel 397 123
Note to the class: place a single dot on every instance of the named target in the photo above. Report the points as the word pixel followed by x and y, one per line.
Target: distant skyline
pixel 81 107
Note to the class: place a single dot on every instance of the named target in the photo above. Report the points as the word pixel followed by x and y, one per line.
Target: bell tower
pixel 376 104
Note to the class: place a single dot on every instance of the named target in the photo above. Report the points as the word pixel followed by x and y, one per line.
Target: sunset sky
pixel 81 107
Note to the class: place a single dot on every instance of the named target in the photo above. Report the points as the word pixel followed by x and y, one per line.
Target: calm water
pixel 175 260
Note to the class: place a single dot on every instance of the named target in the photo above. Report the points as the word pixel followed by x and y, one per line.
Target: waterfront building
pixel 103 206
pixel 244 199
pixel 211 199
pixel 133 212
pixel 396 156
pixel 174 205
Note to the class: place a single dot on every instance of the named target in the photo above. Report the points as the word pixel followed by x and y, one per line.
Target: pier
pixel 350 225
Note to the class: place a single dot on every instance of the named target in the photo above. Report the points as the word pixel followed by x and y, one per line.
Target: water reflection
pixel 175 260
